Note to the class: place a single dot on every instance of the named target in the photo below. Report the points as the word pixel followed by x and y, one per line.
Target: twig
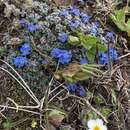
pixel 19 83
pixel 124 56
pixel 13 103
pixel 3 114
pixel 20 109
pixel 55 96
pixel 41 123
pixel 55 88
pixel 17 106
pixel 29 90
pixel 90 106
pixel 39 51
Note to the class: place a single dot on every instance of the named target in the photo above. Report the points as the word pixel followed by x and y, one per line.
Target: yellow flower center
pixel 96 128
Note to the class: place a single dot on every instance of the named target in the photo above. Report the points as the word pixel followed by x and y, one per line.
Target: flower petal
pixel 103 127
pixel 91 124
pixel 99 122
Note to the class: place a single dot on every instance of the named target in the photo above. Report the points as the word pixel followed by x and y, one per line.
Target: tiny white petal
pixel 91 124
pixel 103 127
pixel 99 122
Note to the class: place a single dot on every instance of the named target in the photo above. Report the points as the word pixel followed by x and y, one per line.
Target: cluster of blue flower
pixel 103 57
pixel 64 56
pixel 74 12
pixel 21 61
pixel 110 36
pixel 74 23
pixel 63 37
pixel 29 26
pixel 77 89
pixel 83 61
pixel 25 49
pixel 93 30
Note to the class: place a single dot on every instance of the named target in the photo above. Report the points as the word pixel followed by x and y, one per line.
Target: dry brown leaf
pixel 62 2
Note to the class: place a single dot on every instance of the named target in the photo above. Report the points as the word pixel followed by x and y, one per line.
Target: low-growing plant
pixel 34 123
pixel 90 43
pixel 119 18
pixel 76 72
pixel 7 125
pixel 55 116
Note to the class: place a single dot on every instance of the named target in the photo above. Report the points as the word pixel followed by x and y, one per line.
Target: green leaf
pixel 122 26
pixel 70 79
pixel 74 40
pixel 119 19
pixel 114 99
pixel 88 41
pixel 55 112
pixel 120 15
pixel 98 99
pixel 105 111
pixel 76 72
pixel 80 76
pixel 56 116
pixel 91 68
pixel 92 115
pixel 128 24
pixel 113 18
pixel 128 27
pixel 102 47
pixel 91 54
pixel 7 125
pixel 89 94
pixel 92 45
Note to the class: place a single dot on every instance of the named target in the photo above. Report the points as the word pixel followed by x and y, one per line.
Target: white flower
pixel 96 125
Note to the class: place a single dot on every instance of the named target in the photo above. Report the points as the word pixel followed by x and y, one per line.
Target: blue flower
pixel 83 61
pixel 75 11
pixel 63 37
pixel 20 61
pixel 25 49
pixel 64 13
pixel 73 24
pixel 93 30
pixel 102 58
pixel 72 87
pixel 23 22
pixel 31 28
pixel 113 54
pixel 110 36
pixel 82 92
pixel 85 18
pixel 64 56
pixel 56 52
pixel 97 23
pixel 77 89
